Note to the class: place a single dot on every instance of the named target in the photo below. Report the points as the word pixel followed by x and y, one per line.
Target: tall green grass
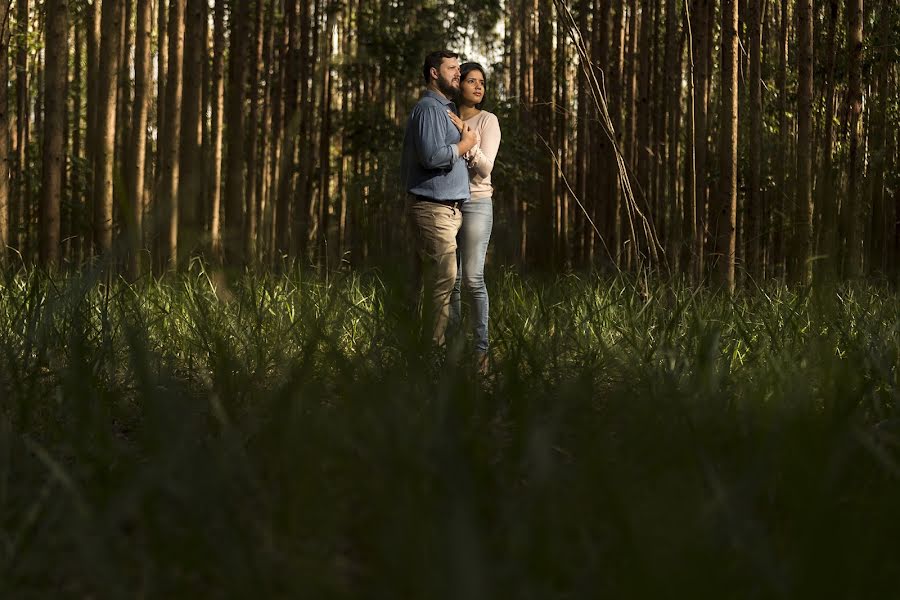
pixel 287 436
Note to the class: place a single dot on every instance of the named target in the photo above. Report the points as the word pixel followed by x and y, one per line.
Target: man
pixel 437 183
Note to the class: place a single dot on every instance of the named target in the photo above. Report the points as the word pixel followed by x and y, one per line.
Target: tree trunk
pixel 700 15
pixel 137 146
pixel 780 217
pixel 18 223
pixel 672 76
pixel 726 226
pixel 104 160
pixel 54 160
pixel 291 123
pixel 802 213
pixel 5 150
pixel 825 197
pixel 850 208
pixel 218 112
pixel 882 217
pixel 170 140
pixel 253 197
pixel 191 153
pixel 755 210
pixel 234 185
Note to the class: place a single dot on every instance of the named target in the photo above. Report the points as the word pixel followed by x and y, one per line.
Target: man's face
pixel 448 77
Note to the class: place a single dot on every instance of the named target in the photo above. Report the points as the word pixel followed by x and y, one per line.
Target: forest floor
pixel 277 436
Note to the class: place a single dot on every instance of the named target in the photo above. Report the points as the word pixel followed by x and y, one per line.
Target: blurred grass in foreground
pixel 284 436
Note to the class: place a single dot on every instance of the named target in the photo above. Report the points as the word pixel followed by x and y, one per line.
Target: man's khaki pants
pixel 433 227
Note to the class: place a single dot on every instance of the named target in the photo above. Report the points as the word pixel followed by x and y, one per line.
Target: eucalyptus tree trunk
pixel 802 213
pixel 54 160
pixel 104 159
pixel 235 179
pixel 291 124
pixel 755 210
pixel 853 197
pixel 700 15
pixel 169 142
pixel 672 76
pixel 18 223
pixel 137 146
pixel 5 149
pixel 726 225
pixel 644 69
pixel 780 220
pixel 190 181
pixel 251 217
pixel 826 199
pixel 217 114
pixel 882 215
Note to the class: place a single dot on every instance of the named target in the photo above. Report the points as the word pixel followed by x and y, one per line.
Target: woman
pixel 478 215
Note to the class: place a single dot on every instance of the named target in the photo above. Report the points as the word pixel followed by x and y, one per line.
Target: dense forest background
pixel 732 139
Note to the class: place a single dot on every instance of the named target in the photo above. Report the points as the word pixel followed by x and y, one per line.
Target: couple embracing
pixel 449 151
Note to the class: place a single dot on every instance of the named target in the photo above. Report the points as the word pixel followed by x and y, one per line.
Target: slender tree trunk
pixel 54 160
pixel 291 123
pixel 644 69
pixel 826 198
pixel 104 160
pixel 802 230
pixel 218 112
pixel 781 219
pixel 235 179
pixel 882 219
pixel 700 13
pixel 755 210
pixel 137 146
pixel 190 169
pixel 726 227
pixel 170 140
pixel 672 76
pixel 850 208
pixel 18 223
pixel 162 45
pixel 5 146
pixel 253 198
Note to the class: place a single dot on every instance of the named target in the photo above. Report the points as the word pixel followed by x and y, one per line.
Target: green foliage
pixel 286 437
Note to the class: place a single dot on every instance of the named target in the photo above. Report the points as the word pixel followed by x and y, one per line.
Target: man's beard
pixel 446 87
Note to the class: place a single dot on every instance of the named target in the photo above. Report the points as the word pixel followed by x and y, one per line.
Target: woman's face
pixel 472 87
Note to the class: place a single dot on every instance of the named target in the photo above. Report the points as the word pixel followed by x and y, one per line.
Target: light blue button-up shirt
pixel 431 165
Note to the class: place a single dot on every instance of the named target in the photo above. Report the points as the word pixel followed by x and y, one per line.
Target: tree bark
pixel 850 208
pixel 700 15
pixel 218 112
pixel 190 169
pixel 18 223
pixel 726 226
pixel 170 141
pixel 137 146
pixel 104 160
pixel 54 160
pixel 802 213
pixel 882 217
pixel 253 197
pixel 291 124
pixel 235 179
pixel 5 146
pixel 755 210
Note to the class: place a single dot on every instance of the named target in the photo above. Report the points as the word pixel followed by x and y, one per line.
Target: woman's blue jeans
pixel 471 249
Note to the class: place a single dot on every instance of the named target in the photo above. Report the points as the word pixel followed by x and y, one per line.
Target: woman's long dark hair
pixel 464 71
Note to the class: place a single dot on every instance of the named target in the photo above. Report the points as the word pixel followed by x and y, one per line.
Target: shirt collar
pixel 440 98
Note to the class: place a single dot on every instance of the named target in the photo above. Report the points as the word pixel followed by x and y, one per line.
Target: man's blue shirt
pixel 431 165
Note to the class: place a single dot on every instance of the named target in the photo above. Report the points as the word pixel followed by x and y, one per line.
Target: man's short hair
pixel 433 61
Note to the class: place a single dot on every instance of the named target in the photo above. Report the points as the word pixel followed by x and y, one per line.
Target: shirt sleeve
pixel 486 154
pixel 432 148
